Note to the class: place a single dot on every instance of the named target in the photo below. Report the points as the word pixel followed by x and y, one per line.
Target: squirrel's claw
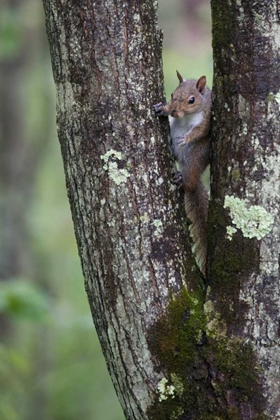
pixel 158 109
pixel 181 142
pixel 177 179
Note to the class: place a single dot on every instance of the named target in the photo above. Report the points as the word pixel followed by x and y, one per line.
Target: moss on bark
pixel 214 376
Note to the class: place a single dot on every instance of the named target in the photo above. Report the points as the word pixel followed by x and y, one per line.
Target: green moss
pixel 270 97
pixel 211 375
pixel 235 174
pixel 183 327
pixel 222 23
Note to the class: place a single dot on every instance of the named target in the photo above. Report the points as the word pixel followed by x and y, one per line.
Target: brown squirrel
pixel 189 112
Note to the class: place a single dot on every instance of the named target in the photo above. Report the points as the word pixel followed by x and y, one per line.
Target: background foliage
pixel 51 366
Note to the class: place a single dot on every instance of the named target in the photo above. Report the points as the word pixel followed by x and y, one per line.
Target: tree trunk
pixel 244 210
pixel 131 233
pixel 172 351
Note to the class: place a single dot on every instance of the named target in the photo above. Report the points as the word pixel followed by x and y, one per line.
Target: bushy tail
pixel 196 206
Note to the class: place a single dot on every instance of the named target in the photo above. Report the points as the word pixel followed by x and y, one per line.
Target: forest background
pixel 51 365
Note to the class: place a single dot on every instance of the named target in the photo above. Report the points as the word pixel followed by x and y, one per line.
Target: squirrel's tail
pixel 196 206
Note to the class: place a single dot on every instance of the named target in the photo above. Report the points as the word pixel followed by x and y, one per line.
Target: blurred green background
pixel 51 366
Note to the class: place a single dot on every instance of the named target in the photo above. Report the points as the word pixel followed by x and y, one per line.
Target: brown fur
pixel 190 107
pixel 196 206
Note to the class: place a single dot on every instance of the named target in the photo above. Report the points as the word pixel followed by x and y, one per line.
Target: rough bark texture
pixel 131 233
pixel 193 356
pixel 245 234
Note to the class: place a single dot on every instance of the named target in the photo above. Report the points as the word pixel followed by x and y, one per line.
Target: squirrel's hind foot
pixel 178 180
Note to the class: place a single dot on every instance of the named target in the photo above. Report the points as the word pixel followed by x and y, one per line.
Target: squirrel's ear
pixel 201 83
pixel 179 77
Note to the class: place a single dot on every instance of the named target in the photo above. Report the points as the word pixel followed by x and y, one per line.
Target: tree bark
pixel 130 231
pixel 174 348
pixel 244 210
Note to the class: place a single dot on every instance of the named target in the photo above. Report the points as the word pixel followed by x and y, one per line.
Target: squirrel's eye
pixel 192 100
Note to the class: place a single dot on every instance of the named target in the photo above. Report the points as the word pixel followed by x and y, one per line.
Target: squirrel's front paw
pixel 181 142
pixel 159 111
pixel 178 180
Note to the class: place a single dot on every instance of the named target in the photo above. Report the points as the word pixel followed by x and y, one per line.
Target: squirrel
pixel 189 112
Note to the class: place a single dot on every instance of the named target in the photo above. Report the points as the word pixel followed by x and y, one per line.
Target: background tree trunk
pixel 244 266
pixel 131 234
pixel 23 139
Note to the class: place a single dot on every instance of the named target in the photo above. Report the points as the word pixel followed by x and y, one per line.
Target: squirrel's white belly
pixel 180 127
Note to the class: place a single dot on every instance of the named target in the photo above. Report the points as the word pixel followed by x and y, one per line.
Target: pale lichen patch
pixel 230 231
pixel 158 225
pixel 116 174
pixel 110 153
pixel 243 106
pixel 277 97
pixel 165 391
pixel 273 97
pixel 254 221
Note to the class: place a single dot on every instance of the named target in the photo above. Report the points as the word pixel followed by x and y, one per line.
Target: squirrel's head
pixel 188 97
